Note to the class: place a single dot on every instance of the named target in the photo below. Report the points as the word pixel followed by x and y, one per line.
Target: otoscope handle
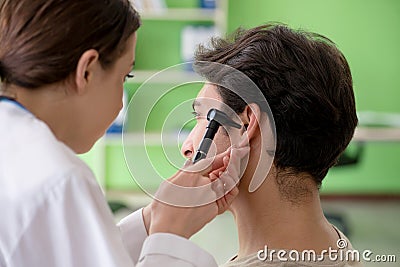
pixel 212 129
pixel 203 150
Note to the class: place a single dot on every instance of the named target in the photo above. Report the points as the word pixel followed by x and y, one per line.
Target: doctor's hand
pixel 190 199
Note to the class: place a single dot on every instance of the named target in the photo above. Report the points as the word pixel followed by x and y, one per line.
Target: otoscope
pixel 216 119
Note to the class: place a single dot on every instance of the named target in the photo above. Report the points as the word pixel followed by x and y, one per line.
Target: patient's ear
pixel 262 132
pixel 251 119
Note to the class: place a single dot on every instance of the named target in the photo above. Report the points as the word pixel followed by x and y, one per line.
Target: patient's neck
pixel 266 218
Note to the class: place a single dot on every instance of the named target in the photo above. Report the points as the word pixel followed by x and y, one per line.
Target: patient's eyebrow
pixel 196 103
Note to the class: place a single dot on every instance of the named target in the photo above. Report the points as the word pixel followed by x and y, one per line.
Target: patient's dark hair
pixel 308 85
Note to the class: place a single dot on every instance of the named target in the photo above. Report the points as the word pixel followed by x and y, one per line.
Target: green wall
pixel 368 33
pixel 159 43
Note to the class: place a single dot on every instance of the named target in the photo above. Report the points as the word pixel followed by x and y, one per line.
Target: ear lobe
pixel 85 69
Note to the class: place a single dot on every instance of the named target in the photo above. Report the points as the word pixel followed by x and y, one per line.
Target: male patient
pixel 308 85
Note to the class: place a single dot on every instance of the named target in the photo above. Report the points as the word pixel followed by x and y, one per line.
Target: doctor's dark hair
pixel 308 85
pixel 41 41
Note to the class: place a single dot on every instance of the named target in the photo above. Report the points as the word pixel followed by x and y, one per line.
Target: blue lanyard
pixel 11 100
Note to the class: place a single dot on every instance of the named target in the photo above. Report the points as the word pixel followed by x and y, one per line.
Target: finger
pixel 223 168
pixel 213 177
pixel 235 160
pixel 199 167
pixel 226 161
pixel 218 187
pixel 207 165
pixel 225 202
pixel 219 161
pixel 222 205
pixel 221 202
pixel 230 197
pixel 232 174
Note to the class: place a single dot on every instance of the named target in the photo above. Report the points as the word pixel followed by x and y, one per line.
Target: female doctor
pixel 62 66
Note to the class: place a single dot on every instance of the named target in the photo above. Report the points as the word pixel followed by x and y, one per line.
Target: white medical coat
pixel 53 212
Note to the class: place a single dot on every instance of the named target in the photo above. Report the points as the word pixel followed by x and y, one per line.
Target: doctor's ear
pixel 87 65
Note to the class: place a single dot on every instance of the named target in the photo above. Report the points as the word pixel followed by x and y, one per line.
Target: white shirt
pixel 53 212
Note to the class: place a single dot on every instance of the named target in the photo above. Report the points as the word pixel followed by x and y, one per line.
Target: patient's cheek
pixel 222 141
